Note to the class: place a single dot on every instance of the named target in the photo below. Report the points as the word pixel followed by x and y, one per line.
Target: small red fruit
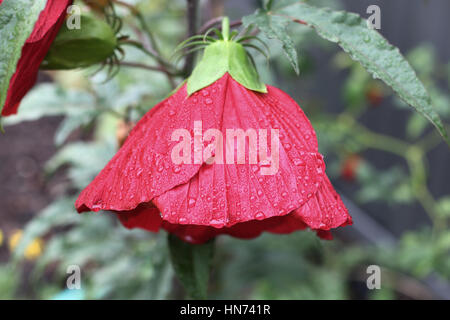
pixel 374 95
pixel 350 167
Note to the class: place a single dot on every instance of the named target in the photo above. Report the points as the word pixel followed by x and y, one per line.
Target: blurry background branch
pixel 192 25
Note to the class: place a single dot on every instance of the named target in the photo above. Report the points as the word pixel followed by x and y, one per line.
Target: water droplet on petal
pixel 260 216
pixel 216 223
pixel 191 202
pixel 176 169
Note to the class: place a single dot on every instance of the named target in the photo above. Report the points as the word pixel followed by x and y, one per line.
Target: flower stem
pixel 226 28
pixel 153 51
pixel 414 155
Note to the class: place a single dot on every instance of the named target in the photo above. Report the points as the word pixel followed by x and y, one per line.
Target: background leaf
pixel 17 19
pixel 275 28
pixel 192 263
pixel 46 100
pixel 364 45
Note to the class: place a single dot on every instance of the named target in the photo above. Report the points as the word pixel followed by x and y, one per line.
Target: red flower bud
pixel 33 53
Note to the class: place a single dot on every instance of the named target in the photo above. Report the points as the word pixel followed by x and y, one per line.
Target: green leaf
pixel 416 126
pixel 192 265
pixel 368 47
pixel 79 118
pixel 220 57
pixel 82 169
pixel 17 20
pixel 46 100
pixel 444 207
pixel 275 27
pixel 267 4
pixel 9 281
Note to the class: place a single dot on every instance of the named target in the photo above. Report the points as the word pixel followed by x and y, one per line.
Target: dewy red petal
pixel 199 201
pixel 33 53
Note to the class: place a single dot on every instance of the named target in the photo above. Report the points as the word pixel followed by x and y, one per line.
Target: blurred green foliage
pixel 118 263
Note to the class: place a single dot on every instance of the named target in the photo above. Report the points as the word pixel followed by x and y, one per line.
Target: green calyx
pixel 225 54
pixel 93 43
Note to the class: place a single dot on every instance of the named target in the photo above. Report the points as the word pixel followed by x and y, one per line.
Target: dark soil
pixel 24 150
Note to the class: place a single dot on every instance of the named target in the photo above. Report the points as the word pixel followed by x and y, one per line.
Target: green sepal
pixel 93 43
pixel 220 57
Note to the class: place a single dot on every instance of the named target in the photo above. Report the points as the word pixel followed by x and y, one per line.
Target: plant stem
pixel 226 28
pixel 145 66
pixel 209 24
pixel 153 50
pixel 376 140
pixel 430 141
pixel 415 160
pixel 142 21
pixel 163 66
pixel 414 157
pixel 147 51
pixel 192 13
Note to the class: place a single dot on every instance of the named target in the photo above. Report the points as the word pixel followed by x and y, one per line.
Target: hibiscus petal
pixel 34 52
pixel 222 195
pixel 143 168
pixel 325 210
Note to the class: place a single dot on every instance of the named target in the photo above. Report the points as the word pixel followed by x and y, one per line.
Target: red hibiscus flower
pixel 34 52
pixel 179 170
